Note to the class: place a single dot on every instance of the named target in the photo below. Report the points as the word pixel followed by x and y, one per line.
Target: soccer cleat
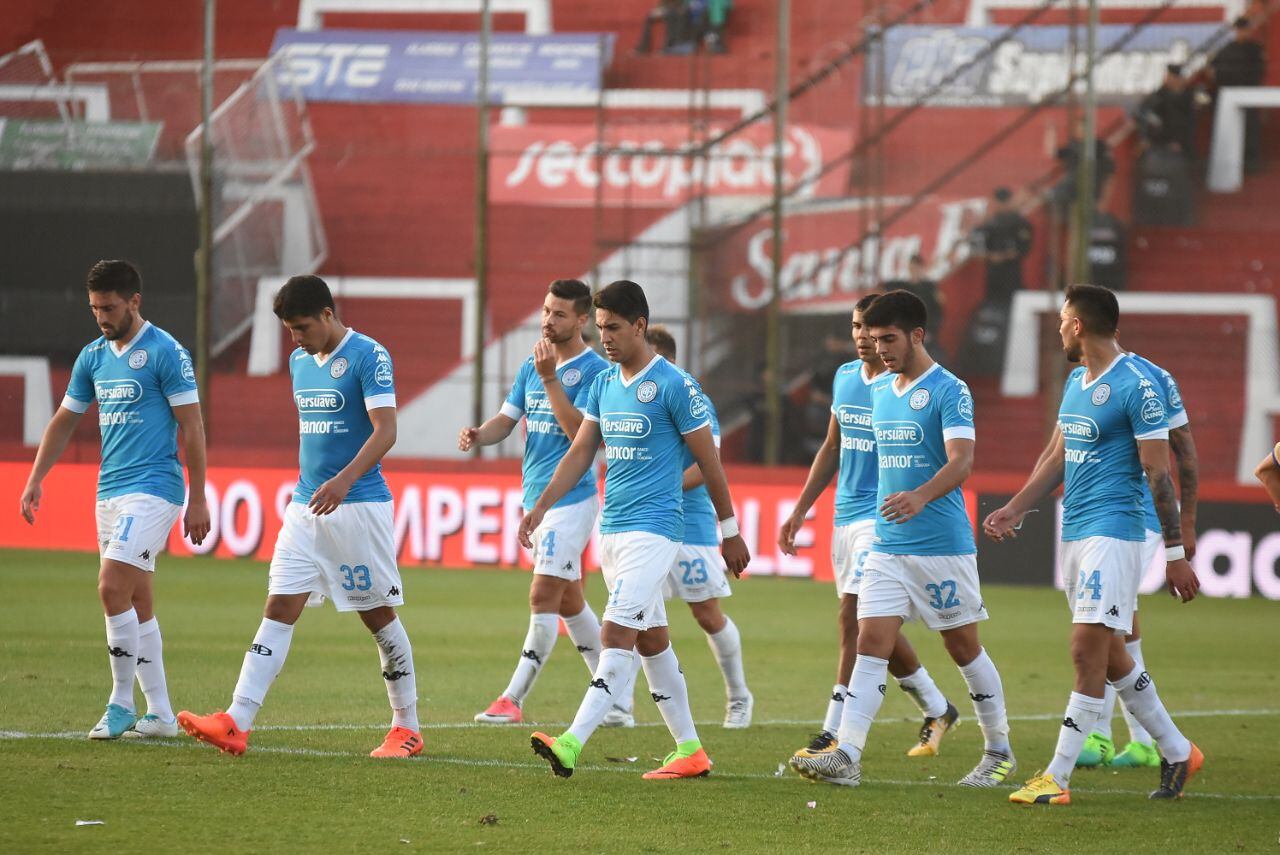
pixel 561 753
pixel 832 767
pixel 820 744
pixel 1175 776
pixel 1098 750
pixel 1041 790
pixel 218 729
pixel 618 717
pixel 687 761
pixel 400 742
pixel 992 770
pixel 151 727
pixel 114 722
pixel 502 711
pixel 931 732
pixel 1137 754
pixel 737 712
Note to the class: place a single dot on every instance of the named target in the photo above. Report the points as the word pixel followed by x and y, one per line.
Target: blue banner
pixel 1031 64
pixel 370 66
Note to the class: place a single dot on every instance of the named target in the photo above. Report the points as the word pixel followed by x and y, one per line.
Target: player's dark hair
pixel 662 340
pixel 1002 194
pixel 575 290
pixel 303 297
pixel 865 303
pixel 900 309
pixel 624 298
pixel 1096 307
pixel 114 275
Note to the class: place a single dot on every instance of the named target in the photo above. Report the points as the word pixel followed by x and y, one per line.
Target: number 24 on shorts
pixel 355 578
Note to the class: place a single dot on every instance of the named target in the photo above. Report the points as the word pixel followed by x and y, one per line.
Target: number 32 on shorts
pixel 355 578
pixel 944 594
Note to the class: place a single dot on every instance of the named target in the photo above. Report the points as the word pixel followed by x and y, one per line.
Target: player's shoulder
pixel 1076 375
pixel 852 368
pixel 941 380
pixel 363 345
pixel 94 350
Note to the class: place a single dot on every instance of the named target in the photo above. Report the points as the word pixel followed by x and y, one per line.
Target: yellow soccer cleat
pixel 1041 790
pixel 931 733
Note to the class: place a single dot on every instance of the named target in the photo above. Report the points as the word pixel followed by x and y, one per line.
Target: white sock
pixel 1082 714
pixel 626 700
pixel 1137 692
pixel 924 693
pixel 538 644
pixel 1137 733
pixel 1103 727
pixel 396 654
pixel 670 693
pixel 835 709
pixel 616 669
pixel 987 693
pixel 151 670
pixel 584 632
pixel 866 693
pixel 726 646
pixel 122 644
pixel 261 666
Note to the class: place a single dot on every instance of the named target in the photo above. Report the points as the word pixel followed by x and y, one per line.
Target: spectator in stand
pixel 1004 241
pixel 1243 62
pixel 1107 251
pixel 674 16
pixel 1069 157
pixel 709 17
pixel 1166 117
pixel 919 283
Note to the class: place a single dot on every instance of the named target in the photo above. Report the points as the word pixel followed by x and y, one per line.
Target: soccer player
pixel 647 412
pixel 550 392
pixel 337 540
pixel 850 451
pixel 1114 429
pixel 698 577
pixel 1268 474
pixel 922 563
pixel 145 387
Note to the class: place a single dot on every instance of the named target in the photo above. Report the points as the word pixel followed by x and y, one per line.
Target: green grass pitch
pixel 306 783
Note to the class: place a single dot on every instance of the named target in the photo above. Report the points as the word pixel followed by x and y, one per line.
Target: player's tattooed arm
pixel 1184 452
pixel 1268 472
pixel 1154 454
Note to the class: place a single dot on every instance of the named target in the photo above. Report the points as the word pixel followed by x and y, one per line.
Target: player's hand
pixel 736 555
pixel 31 502
pixel 900 507
pixel 468 438
pixel 1002 523
pixel 328 496
pixel 1189 536
pixel 1182 580
pixel 528 525
pixel 544 360
pixel 195 522
pixel 787 534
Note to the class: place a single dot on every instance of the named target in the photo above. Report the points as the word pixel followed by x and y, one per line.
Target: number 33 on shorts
pixel 355 578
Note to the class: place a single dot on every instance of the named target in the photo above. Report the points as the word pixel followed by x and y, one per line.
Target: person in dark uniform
pixel 1107 262
pixel 1243 62
pixel 1004 241
pixel 1069 156
pixel 1166 117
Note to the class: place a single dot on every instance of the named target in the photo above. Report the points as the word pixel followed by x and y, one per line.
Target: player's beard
pixel 1074 351
pixel 550 335
pixel 118 332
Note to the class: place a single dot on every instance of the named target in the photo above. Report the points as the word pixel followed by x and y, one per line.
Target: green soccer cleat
pixel 1136 755
pixel 561 753
pixel 1098 750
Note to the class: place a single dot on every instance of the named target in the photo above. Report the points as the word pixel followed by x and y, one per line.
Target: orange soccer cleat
pixel 502 711
pixel 681 765
pixel 218 729
pixel 400 742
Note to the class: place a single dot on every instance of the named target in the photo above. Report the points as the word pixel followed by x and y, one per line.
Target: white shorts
pixel 559 542
pixel 348 556
pixel 635 565
pixel 1100 576
pixel 850 546
pixel 134 528
pixel 941 590
pixel 698 575
pixel 1153 565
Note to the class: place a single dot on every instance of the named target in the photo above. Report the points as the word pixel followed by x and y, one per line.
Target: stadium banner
pixel 561 164
pixel 1029 64
pixel 457 519
pixel 397 66
pixel 76 144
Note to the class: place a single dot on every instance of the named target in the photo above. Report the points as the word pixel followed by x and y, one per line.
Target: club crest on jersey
pixel 382 374
pixel 571 377
pixel 1101 395
pixel 137 359
pixel 338 368
pixel 919 399
pixel 1153 412
pixel 647 391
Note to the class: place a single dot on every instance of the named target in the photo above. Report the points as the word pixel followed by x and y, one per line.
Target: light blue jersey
pixel 136 389
pixel 701 526
pixel 334 396
pixel 1102 422
pixel 643 422
pixel 859 477
pixel 545 441
pixel 912 428
pixel 1171 397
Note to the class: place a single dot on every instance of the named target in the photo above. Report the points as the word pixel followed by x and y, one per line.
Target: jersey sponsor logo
pixel 1153 412
pixel 898 434
pixel 1101 395
pixel 1079 428
pixel 965 406
pixel 320 427
pixel 137 359
pixel 571 377
pixel 119 417
pixel 854 417
pixel 117 392
pixel 338 368
pixel 382 374
pixel 919 399
pixel 188 370
pixel 625 426
pixel 319 400
pixel 697 406
pixel 647 391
